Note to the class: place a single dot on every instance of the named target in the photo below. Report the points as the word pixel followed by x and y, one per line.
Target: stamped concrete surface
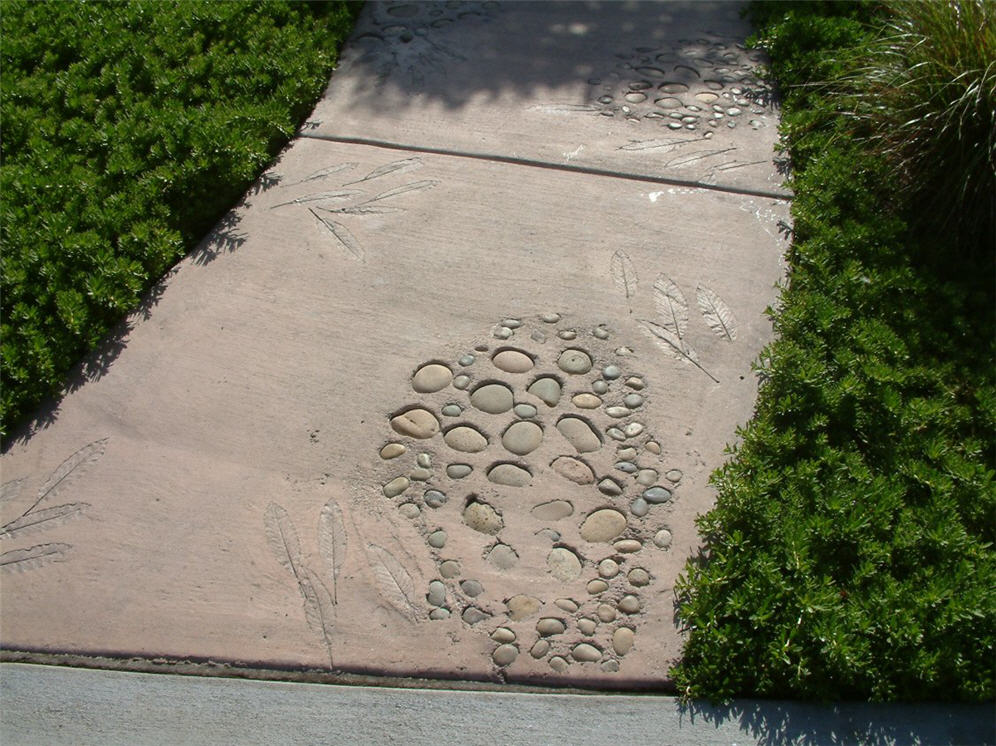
pixel 42 705
pixel 409 412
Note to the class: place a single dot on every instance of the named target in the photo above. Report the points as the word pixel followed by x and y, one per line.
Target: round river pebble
pixel 503 634
pixel 639 507
pixel 579 434
pixel 434 498
pixel 396 486
pixel 505 654
pixel 493 398
pixel 509 475
pixel 461 382
pixel 622 640
pixel 522 437
pixel 608 568
pixel 663 538
pixel 603 525
pixel 575 362
pixel 472 588
pixel 458 471
pixel 482 517
pixel 600 387
pixel 553 510
pixel 512 361
pixel 416 423
pixel 466 439
pixel 452 410
pixel 567 604
pixel 522 607
pixel 585 653
pixel 573 469
pixel 392 450
pixel 587 401
pixel 449 568
pixel 525 411
pixel 638 577
pixel 546 389
pixel 550 626
pixel 431 378
pixel 657 495
pixel 437 539
pixel 503 557
pixel 563 564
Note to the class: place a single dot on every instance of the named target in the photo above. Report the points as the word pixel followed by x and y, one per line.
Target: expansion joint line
pixel 569 168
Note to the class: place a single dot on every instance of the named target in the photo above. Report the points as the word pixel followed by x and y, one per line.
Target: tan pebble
pixel 482 517
pixel 646 477
pixel 606 613
pixel 622 640
pixel 466 439
pixel 431 378
pixel 654 447
pixel 392 450
pixel 663 538
pixel 522 607
pixel 503 557
pixel 550 626
pixel 493 398
pixel 635 383
pixel 567 604
pixel 521 438
pixel 541 648
pixel 608 568
pixel 512 361
pixel 610 666
pixel 638 577
pixel 409 510
pixel 586 401
pixel 505 654
pixel 633 429
pixel 617 412
pixel 603 525
pixel 626 454
pixel 628 546
pixel 579 434
pixel 449 568
pixel 421 475
pixel 563 564
pixel 573 469
pixel 559 664
pixel 586 653
pixel 509 475
pixel 629 604
pixel 503 634
pixel 575 362
pixel 674 475
pixel 396 486
pixel 587 626
pixel 416 423
pixel 597 586
pixel 546 389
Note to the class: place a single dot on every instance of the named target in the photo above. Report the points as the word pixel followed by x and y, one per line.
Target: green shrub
pixel 129 128
pixel 850 552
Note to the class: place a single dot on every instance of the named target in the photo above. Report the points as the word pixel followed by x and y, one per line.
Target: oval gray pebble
pixel 550 626
pixel 610 666
pixel 409 510
pixel 437 539
pixel 559 663
pixel 461 382
pixel 546 389
pixel 493 398
pixel 550 318
pixel 541 648
pixel 639 507
pixel 472 588
pixel 674 475
pixel 396 486
pixel 609 487
pixel 574 361
pixel 657 495
pixel 434 498
pixel 440 613
pixel 437 593
pixel 617 412
pixel 600 387
pixel 567 334
pixel 449 568
pixel 452 410
pixel 627 466
pixel 611 372
pixel 600 332
pixel 525 411
pixel 505 654
pixel 502 332
pixel 615 433
pixel 646 477
pixel 458 471
pixel 512 323
pixel 633 400
pixel 473 615
pixel 467 360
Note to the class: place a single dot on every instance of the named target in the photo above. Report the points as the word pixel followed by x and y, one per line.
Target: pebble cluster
pixel 541 385
pixel 696 84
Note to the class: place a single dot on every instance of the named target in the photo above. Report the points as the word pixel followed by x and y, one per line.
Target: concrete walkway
pixel 442 396
pixel 44 705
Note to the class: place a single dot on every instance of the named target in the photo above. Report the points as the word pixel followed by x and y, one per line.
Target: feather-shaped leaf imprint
pixel 10 490
pixel 69 471
pixel 393 581
pixel 364 209
pixel 282 537
pixel 405 164
pixel 338 194
pixel 322 173
pixel 673 345
pixel 415 186
pixel 319 611
pixel 332 541
pixel 671 306
pixel 717 314
pixel 32 557
pixel 623 273
pixel 341 234
pixel 34 519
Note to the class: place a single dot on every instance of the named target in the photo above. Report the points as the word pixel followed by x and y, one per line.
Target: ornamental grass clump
pixel 926 89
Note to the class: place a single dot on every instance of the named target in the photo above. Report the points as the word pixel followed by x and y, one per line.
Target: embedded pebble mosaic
pixel 693 85
pixel 541 398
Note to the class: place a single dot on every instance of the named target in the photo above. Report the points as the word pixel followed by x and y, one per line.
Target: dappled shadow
pixel 224 238
pixel 452 52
